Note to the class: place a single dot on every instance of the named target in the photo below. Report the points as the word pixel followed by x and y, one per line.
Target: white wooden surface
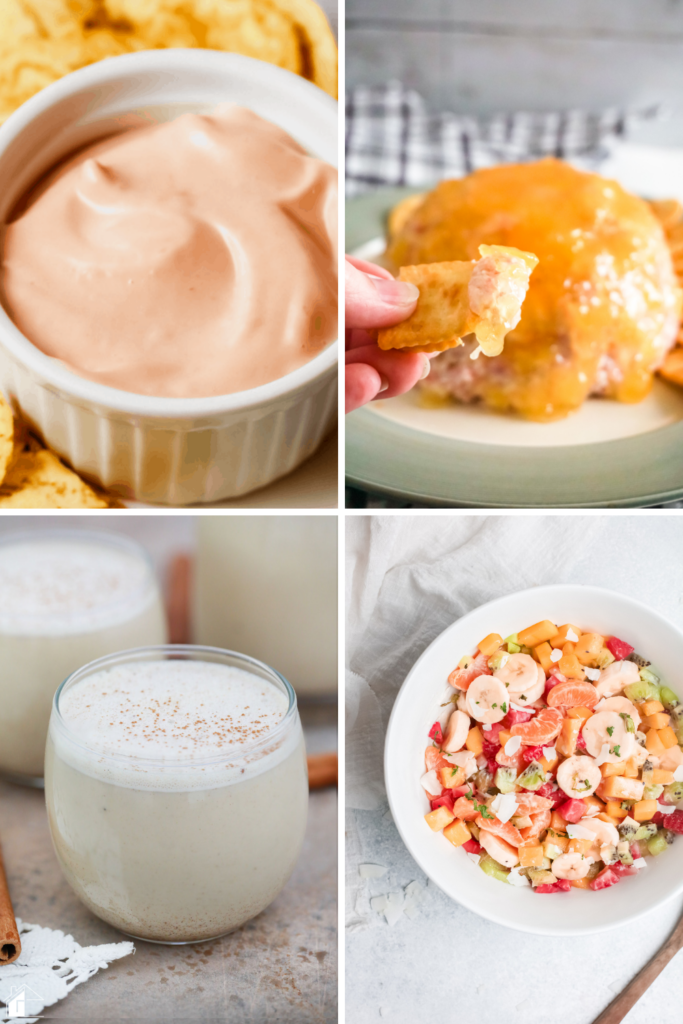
pixel 487 55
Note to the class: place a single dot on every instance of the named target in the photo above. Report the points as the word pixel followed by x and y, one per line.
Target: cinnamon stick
pixel 10 943
pixel 322 770
pixel 178 599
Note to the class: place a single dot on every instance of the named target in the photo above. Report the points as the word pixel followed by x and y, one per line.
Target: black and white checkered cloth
pixel 392 138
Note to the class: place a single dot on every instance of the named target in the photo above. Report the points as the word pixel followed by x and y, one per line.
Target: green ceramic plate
pixel 605 456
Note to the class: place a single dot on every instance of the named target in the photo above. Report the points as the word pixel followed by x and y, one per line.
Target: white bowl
pixel 580 911
pixel 164 450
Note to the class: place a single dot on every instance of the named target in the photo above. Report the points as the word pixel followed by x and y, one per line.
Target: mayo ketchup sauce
pixel 187 259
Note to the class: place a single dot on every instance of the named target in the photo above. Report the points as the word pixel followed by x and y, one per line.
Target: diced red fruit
pixel 515 717
pixel 492 735
pixel 530 754
pixel 447 799
pixel 635 851
pixel 674 822
pixel 472 846
pixel 561 885
pixel 550 682
pixel 492 765
pixel 658 819
pixel 580 742
pixel 619 648
pixel 573 810
pixel 607 877
pixel 622 870
pixel 436 733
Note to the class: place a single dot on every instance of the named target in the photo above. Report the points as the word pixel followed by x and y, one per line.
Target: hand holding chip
pixel 374 299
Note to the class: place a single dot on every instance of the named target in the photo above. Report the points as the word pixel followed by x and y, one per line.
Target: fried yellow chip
pixel 37 479
pixel 9 437
pixel 43 40
pixel 458 298
pixel 672 367
pixel 401 212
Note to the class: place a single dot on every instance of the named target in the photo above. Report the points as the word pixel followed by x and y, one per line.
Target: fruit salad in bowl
pixel 556 763
pixel 546 757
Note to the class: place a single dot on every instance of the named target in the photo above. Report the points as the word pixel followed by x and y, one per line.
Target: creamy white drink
pixel 66 598
pixel 267 585
pixel 176 790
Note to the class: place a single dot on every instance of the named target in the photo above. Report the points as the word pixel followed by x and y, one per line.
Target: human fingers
pixel 401 370
pixel 376 302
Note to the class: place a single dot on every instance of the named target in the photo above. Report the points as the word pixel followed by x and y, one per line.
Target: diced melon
pixel 457 832
pixel 608 769
pixel 504 736
pixel 581 883
pixel 490 644
pixel 604 816
pixel 568 648
pixel 643 810
pixel 475 740
pixel 618 788
pixel 570 667
pixel 654 743
pixel 565 743
pixel 588 647
pixel 557 823
pixel 534 635
pixel 453 777
pixel 531 856
pixel 615 810
pixel 631 769
pixel 583 713
pixel 594 801
pixel 439 818
pixel 553 846
pixel 561 637
pixel 650 707
pixel 667 737
pixel 658 721
pixel 662 777
pixel 579 846
pixel 542 654
pixel 549 765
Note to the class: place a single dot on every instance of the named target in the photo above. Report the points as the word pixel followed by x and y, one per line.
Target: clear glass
pixel 40 645
pixel 267 585
pixel 178 851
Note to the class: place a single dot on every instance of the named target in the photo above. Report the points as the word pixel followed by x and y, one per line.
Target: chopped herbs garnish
pixel 628 722
pixel 616 751
pixel 504 708
pixel 610 730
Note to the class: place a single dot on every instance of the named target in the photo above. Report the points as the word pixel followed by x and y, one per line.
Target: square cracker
pixel 442 317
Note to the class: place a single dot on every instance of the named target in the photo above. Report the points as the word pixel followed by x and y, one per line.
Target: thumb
pixel 376 301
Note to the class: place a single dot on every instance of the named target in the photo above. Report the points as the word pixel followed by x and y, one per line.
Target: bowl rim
pixel 389 757
pixel 56 375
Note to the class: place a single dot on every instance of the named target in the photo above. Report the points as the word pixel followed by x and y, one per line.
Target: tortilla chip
pixel 463 297
pixel 37 479
pixel 43 40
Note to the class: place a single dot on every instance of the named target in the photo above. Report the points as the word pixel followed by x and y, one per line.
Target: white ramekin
pixel 163 450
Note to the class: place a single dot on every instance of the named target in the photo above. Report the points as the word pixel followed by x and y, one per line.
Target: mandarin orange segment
pixel 572 695
pixel 502 829
pixel 464 809
pixel 580 712
pixel 530 803
pixel 435 759
pixel 541 729
pixel 565 743
pixel 461 678
pixel 539 823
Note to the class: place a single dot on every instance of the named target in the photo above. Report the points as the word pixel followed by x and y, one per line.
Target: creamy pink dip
pixel 185 259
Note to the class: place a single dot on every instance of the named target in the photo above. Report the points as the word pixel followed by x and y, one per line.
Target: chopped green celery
pixel 628 722
pixel 645 831
pixel 514 648
pixel 668 698
pixel 652 792
pixel 604 658
pixel 504 779
pixel 491 867
pixel 657 844
pixel 648 676
pixel 623 853
pixel 541 876
pixel 533 777
pixel 642 690
pixel 628 829
pixel 674 791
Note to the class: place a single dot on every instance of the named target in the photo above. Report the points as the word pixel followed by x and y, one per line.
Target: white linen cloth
pixel 50 965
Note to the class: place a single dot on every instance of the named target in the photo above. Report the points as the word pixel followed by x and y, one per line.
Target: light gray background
pixel 450 965
pixel 481 56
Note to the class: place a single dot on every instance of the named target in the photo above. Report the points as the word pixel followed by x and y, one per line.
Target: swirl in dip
pixel 185 259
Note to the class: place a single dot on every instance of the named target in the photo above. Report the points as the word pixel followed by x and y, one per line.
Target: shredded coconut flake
pixel 504 805
pixel 571 636
pixel 515 878
pixel 593 674
pixel 603 756
pixel 640 863
pixel 474 857
pixel 678 773
pixel 665 808
pixel 579 832
pixel 430 782
pixel 549 753
pixel 556 655
pixel 513 745
pixel 486 727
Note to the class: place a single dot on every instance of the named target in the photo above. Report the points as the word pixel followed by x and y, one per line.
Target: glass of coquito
pixel 267 585
pixel 176 789
pixel 66 598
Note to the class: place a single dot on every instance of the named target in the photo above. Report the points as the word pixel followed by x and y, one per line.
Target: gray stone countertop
pixel 281 967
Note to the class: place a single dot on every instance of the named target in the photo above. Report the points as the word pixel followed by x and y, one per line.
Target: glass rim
pixel 185 652
pixel 105 537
